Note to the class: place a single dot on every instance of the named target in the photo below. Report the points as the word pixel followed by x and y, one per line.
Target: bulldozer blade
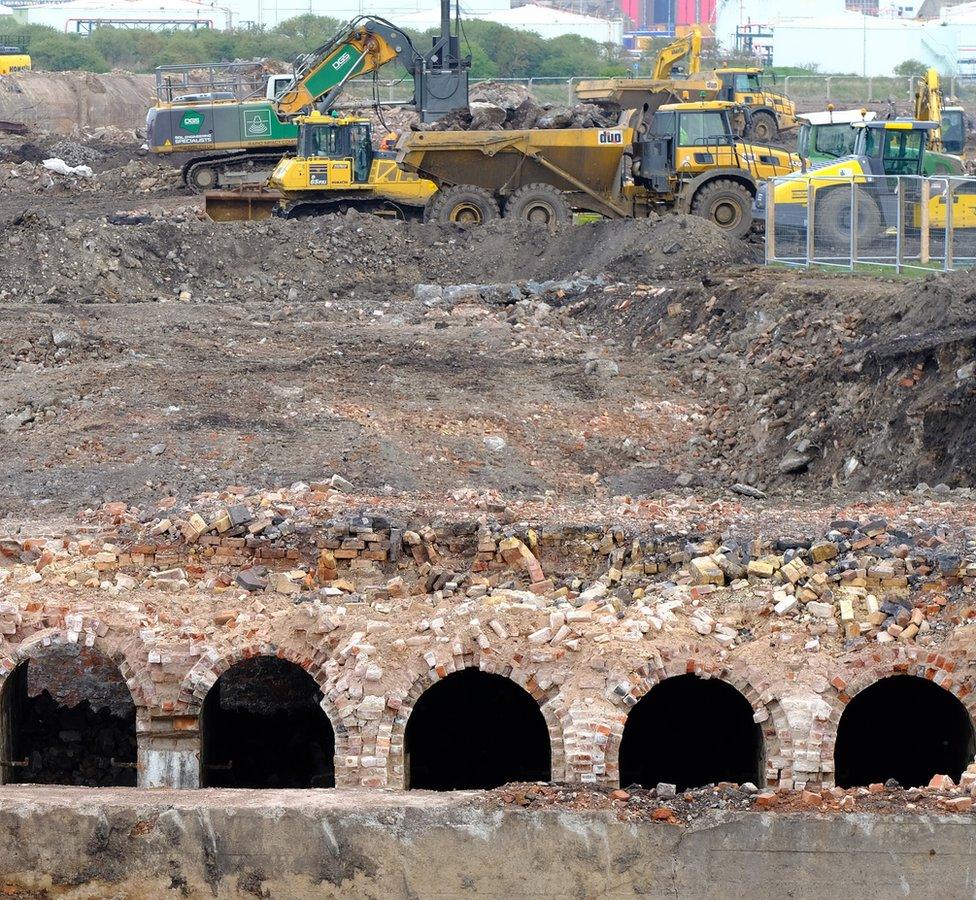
pixel 240 205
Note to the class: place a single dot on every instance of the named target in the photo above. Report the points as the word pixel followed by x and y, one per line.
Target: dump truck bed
pixel 635 93
pixel 586 161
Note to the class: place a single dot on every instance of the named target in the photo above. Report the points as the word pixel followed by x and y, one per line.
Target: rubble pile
pixel 495 106
pixel 669 807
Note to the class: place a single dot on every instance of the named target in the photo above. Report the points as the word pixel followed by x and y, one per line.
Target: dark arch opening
pixel 902 727
pixel 475 730
pixel 690 731
pixel 263 726
pixel 68 718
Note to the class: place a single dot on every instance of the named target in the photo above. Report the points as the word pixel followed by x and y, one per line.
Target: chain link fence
pixel 898 223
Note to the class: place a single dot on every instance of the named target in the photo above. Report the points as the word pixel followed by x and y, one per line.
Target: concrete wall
pixel 72 842
pixel 68 102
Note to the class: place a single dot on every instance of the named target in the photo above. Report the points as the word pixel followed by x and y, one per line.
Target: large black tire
pixel 832 219
pixel 463 204
pixel 763 127
pixel 726 203
pixel 540 204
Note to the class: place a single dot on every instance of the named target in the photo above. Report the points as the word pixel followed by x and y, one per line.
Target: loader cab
pixel 339 150
pixel 828 135
pixel 894 147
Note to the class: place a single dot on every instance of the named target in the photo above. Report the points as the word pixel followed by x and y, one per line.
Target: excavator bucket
pixel 241 205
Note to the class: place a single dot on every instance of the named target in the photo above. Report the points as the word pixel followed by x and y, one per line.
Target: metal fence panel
pixel 896 223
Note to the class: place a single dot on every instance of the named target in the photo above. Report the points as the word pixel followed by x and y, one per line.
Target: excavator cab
pixel 337 151
pixel 953 129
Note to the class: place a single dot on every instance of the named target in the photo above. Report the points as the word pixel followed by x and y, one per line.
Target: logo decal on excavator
pixel 341 61
pixel 192 121
pixel 257 122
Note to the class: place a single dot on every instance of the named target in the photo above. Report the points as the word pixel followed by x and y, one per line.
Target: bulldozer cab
pixel 893 147
pixel 345 145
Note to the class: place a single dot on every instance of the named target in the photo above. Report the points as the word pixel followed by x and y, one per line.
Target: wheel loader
pixel 883 150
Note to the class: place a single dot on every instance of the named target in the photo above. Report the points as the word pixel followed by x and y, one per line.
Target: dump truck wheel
pixel 726 203
pixel 763 127
pixel 462 204
pixel 540 204
pixel 832 220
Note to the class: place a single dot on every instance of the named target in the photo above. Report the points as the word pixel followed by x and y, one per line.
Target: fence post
pixel 811 223
pixel 570 93
pixel 770 221
pixel 899 221
pixel 950 229
pixel 828 87
pixel 853 246
pixel 870 90
pixel 786 85
pixel 924 221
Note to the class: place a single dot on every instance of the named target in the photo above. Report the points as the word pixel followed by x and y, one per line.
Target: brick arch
pixel 767 711
pixel 203 676
pixel 393 724
pixel 930 665
pixel 133 671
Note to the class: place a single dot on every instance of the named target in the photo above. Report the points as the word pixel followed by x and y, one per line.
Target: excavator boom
pixel 928 108
pixel 365 46
pixel 687 47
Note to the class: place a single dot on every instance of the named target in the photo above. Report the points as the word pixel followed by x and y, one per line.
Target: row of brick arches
pixel 68 718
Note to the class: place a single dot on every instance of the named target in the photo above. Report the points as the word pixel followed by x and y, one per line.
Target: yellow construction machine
pixel 13 59
pixel 883 151
pixel 949 135
pixel 688 160
pixel 766 113
pixel 334 169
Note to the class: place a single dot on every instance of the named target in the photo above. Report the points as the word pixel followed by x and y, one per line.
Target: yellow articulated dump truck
pixel 688 161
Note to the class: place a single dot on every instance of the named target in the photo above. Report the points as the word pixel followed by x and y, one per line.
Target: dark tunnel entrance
pixel 68 718
pixel 902 727
pixel 262 726
pixel 691 731
pixel 473 729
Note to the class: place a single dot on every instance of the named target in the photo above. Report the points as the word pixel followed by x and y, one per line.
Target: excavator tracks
pixel 229 170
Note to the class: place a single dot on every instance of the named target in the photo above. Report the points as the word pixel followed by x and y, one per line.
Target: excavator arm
pixel 362 47
pixel 687 47
pixel 928 108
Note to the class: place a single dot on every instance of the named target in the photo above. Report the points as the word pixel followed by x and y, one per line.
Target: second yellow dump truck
pixel 688 161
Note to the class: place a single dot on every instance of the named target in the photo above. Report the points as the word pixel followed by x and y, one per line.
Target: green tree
pixel 63 52
pixel 911 67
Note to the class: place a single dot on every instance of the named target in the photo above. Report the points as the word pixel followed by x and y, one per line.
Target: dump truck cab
pixel 14 59
pixel 770 112
pixel 691 155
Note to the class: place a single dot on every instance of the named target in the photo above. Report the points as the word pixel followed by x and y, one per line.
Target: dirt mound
pixel 140 258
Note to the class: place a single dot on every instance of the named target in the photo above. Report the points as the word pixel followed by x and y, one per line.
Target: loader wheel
pixel 540 204
pixel 726 203
pixel 832 220
pixel 462 204
pixel 763 127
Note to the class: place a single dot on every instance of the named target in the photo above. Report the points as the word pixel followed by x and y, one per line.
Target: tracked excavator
pixel 949 135
pixel 237 130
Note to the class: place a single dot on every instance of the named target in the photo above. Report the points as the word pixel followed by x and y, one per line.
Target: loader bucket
pixel 240 205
